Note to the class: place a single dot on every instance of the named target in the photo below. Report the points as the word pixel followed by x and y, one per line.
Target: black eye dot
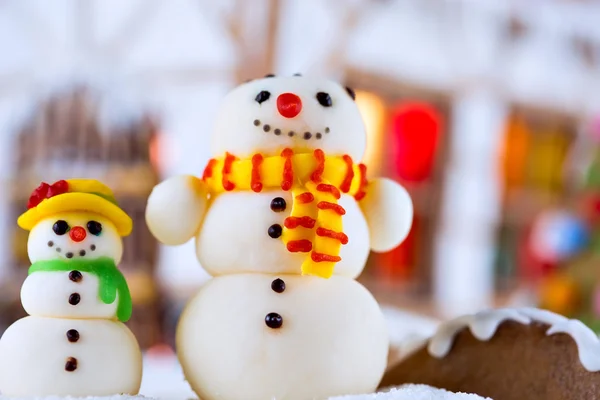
pixel 94 227
pixel 324 99
pixel 351 93
pixel 262 97
pixel 270 76
pixel 60 227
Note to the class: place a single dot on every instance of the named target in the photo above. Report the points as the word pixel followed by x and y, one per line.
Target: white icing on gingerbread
pixel 587 342
pixel 483 326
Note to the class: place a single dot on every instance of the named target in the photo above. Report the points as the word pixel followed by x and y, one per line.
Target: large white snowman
pixel 74 342
pixel 284 220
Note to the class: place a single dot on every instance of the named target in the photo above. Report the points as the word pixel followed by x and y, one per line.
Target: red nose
pixel 77 234
pixel 289 105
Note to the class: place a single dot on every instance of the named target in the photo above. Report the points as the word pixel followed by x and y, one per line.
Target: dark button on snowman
pixel 278 204
pixel 274 320
pixel 278 285
pixel 289 225
pixel 72 335
pixel 74 342
pixel 75 276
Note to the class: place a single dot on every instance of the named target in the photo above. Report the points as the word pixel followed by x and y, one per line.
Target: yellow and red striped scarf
pixel 316 182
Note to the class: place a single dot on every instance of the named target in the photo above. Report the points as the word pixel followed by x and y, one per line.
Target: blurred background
pixel 487 111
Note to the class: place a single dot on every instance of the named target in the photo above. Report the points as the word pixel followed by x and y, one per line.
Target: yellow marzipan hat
pixel 74 195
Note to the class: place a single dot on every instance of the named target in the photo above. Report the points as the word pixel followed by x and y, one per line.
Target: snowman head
pixel 74 235
pixel 270 114
pixel 74 219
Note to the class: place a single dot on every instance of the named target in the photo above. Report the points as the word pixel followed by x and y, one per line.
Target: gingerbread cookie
pixel 507 354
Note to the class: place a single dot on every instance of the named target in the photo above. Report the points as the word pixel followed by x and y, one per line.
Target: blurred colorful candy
pixel 557 235
pixel 594 129
pixel 596 302
pixel 560 293
pixel 417 128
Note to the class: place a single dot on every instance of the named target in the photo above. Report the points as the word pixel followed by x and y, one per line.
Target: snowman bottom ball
pixel 284 337
pixel 69 357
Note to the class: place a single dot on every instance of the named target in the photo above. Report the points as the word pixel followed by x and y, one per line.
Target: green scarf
pixel 111 279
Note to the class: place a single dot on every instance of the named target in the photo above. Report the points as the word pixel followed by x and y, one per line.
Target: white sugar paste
pixel 392 227
pixel 333 342
pixel 33 352
pixel 235 132
pixel 240 221
pixel 483 326
pixel 333 338
pixel 46 294
pixel 107 244
pixel 231 230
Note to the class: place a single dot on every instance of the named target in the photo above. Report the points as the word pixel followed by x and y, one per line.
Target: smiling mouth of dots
pixel 70 254
pixel 277 132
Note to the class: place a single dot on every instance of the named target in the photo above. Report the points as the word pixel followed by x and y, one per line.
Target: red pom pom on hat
pixel 57 188
pixel 45 191
pixel 37 195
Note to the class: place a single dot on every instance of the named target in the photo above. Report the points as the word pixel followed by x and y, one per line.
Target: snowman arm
pixel 176 208
pixel 388 210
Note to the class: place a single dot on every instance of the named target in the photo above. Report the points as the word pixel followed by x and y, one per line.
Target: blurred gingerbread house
pixel 499 89
pixel 477 119
pixel 66 135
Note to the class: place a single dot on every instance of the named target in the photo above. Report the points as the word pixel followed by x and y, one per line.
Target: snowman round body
pixel 234 236
pixel 244 335
pixel 332 338
pixel 35 351
pixel 72 344
pixel 51 294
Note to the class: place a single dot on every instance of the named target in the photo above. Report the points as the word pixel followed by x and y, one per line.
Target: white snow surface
pixel 404 392
pixel 414 392
pixel 119 397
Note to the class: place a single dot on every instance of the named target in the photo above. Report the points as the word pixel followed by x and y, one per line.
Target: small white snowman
pixel 74 342
pixel 284 219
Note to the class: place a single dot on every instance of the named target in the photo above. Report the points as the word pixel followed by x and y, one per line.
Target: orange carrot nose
pixel 77 234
